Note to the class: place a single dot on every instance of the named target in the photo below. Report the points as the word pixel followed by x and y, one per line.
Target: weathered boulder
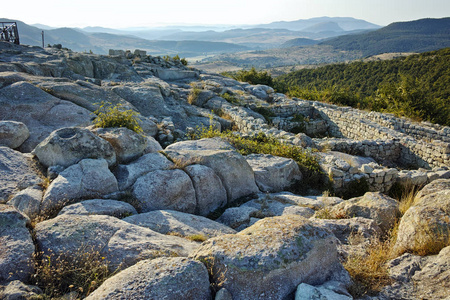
pixel 170 221
pixel 376 206
pixel 209 190
pixel 273 173
pixel 425 227
pixel 237 217
pixel 268 207
pixel 90 178
pixel 231 167
pixel 310 201
pixel 127 144
pixel 152 145
pixel 128 174
pixel 121 243
pixel 118 209
pixel 17 173
pixel 13 134
pixel 16 245
pixel 322 292
pixel 271 258
pixel 67 146
pixel 17 290
pixel 165 189
pixel 161 278
pixel 433 187
pixel 41 112
pixel 28 201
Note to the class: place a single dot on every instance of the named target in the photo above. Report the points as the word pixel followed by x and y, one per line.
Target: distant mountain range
pixel 190 41
pixel 414 36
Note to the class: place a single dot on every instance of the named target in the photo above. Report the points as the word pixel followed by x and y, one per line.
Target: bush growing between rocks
pixel 116 116
pixel 193 96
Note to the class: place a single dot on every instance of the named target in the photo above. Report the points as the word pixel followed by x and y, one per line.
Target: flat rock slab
pixel 114 208
pixel 17 173
pixel 170 221
pixel 271 258
pixel 16 245
pixel 121 243
pixel 161 278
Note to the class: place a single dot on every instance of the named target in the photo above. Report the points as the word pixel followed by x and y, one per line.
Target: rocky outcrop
pixel 165 189
pixel 16 247
pixel 118 209
pixel 17 172
pixel 67 146
pixel 160 278
pixel 13 134
pixel 90 178
pixel 270 258
pixel 121 243
pixel 180 224
pixel 273 173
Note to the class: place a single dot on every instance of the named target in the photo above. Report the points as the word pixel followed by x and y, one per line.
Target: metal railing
pixel 9 32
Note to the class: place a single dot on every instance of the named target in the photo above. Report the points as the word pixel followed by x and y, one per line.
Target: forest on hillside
pixel 417 86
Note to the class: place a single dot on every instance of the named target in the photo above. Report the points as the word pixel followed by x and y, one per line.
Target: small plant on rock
pixel 193 95
pixel 116 116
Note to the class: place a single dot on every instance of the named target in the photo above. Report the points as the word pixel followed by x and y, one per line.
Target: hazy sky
pixel 132 13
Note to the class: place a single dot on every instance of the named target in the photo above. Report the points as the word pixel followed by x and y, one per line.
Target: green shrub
pixel 251 76
pixel 231 98
pixel 116 116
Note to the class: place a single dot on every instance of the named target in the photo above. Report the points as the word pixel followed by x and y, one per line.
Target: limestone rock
pixel 17 173
pixel 268 207
pixel 128 174
pixel 161 278
pixel 308 292
pixel 16 246
pixel 209 190
pixel 271 258
pixel 433 187
pixel 381 208
pixel 165 189
pixel 127 144
pixel 17 290
pixel 28 201
pixel 231 167
pixel 235 217
pixel 67 146
pixel 121 243
pixel 13 134
pixel 41 112
pixel 273 173
pixel 118 209
pixel 202 144
pixel 170 221
pixel 426 225
pixel 90 178
pixel 152 146
pixel 292 199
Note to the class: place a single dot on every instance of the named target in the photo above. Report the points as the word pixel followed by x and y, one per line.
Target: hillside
pixel 415 36
pixel 372 84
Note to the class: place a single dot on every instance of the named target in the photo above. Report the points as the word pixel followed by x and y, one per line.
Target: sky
pixel 149 13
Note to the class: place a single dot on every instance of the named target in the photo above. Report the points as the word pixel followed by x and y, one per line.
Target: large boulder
pixel 433 187
pixel 182 224
pixel 425 227
pixel 121 243
pixel 161 278
pixel 128 174
pixel 88 179
pixel 273 173
pixel 165 189
pixel 231 167
pixel 271 258
pixel 67 146
pixel 209 190
pixel 13 134
pixel 28 201
pixel 118 209
pixel 17 173
pixel 127 144
pixel 16 245
pixel 376 206
pixel 41 112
